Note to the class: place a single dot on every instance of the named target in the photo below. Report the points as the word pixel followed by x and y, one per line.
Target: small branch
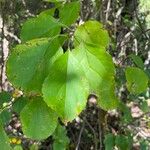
pixel 108 10
pixel 2 46
pixel 102 121
pixel 94 133
pixel 80 134
pixel 100 132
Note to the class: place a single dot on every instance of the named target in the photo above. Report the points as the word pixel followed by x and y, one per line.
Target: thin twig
pixel 108 10
pixel 100 132
pixel 80 134
pixel 94 133
pixel 2 47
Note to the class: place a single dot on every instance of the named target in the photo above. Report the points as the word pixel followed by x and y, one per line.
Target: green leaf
pixel 91 32
pixel 109 141
pixel 42 26
pixel 54 0
pixel 147 71
pixel 144 106
pixel 137 60
pixel 49 12
pixel 61 140
pixel 144 145
pixel 107 98
pixel 4 98
pixel 99 69
pixel 126 117
pixel 19 104
pixel 65 90
pixel 18 147
pixel 34 146
pixel 96 63
pixel 38 120
pixel 29 63
pixel 137 80
pixel 4 140
pixel 5 116
pixel 58 146
pixel 69 12
pixel 123 142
